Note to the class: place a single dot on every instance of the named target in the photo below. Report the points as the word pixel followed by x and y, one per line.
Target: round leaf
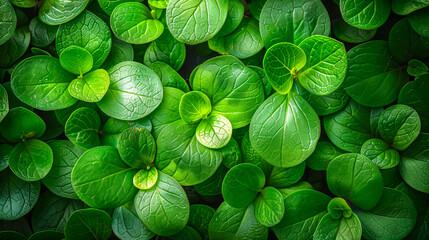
pixel 7 21
pixel 4 106
pixel 58 179
pixel 231 154
pixel 214 132
pixel 246 40
pixel 269 207
pixel 339 208
pixel 194 106
pixel 17 197
pixel 365 14
pixel 133 23
pixel 127 226
pixel 188 20
pixel 233 18
pixel 56 12
pixel 91 87
pixel 15 47
pixel 325 152
pixel 355 178
pixel 31 160
pixel 76 60
pixel 347 33
pixel 21 123
pixel 399 125
pixel 338 229
pixel 379 152
pixel 5 150
pixel 284 177
pixel 200 217
pixel 281 63
pixel 145 178
pixel 416 68
pixel 373 81
pixel 326 65
pixel 88 224
pixel 102 168
pixel 241 185
pixel 285 130
pixel 419 20
pixel 42 83
pixel 134 92
pixel 42 34
pixel 293 21
pixel 87 31
pixel 168 195
pixel 137 147
pixel 82 128
pixel 169 77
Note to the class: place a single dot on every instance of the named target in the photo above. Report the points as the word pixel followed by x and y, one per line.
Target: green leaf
pixel 127 226
pixel 350 128
pixel 63 115
pixel 417 68
pixel 405 43
pixel 413 94
pixel 293 21
pixel 109 5
pixel 168 111
pixel 414 164
pixel 251 156
pixel 269 207
pixel 214 132
pixel 47 235
pixel 183 157
pixel 406 7
pixel 7 21
pixel 12 235
pixel 242 184
pixel 188 20
pixel 194 106
pixel 82 128
pixel 20 124
pixel 133 23
pixel 17 197
pixel 169 77
pixel 137 147
pixel 5 150
pixel 231 154
pixel 200 217
pixel 356 178
pixel 41 34
pixel 166 49
pixel 187 233
pixel 145 178
pixel 235 90
pixel 113 129
pixel 135 91
pixel 326 65
pixel 52 212
pixel 338 229
pixel 285 130
pixel 255 7
pixel 58 179
pixel 4 106
pixel 236 224
pixel 418 21
pixel 371 66
pixel 91 87
pixel 393 217
pixel 265 82
pixel 31 160
pixel 120 52
pixel 161 4
pixel 88 224
pixel 339 208
pixel 365 14
pixel 42 83
pixel 15 47
pixel 87 31
pixel 281 63
pixel 347 33
pixel 284 177
pixel 325 152
pixel 399 125
pixel 56 12
pixel 246 40
pixel 102 168
pixel 164 208
pixel 233 18
pixel 213 185
pixel 303 209
pixel 76 60
pixel 378 152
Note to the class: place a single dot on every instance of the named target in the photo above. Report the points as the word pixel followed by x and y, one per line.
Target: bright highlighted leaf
pixel 91 87
pixel 365 14
pixel 133 23
pixel 269 207
pixel 282 63
pixel 137 147
pixel 242 184
pixel 214 132
pixel 194 106
pixel 76 60
pixel 145 178
pixel 56 12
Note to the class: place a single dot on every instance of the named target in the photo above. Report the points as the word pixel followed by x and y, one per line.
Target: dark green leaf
pixel 137 147
pixel 200 217
pixel 21 123
pixel 7 21
pixel 127 225
pixel 348 33
pixel 82 128
pixel 88 224
pixel 42 34
pixel 169 77
pixel 15 47
pixel 365 14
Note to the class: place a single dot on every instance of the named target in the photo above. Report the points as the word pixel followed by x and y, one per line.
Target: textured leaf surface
pixel 91 87
pixel 21 123
pixel 7 20
pixel 166 49
pixel 127 225
pixel 56 12
pixel 246 40
pixel 194 106
pixel 214 132
pixel 41 34
pixel 338 229
pixel 137 147
pixel 365 14
pixel 379 152
pixel 82 128
pixel 88 224
pixel 76 60
pixel 164 208
pixel 169 77
pixel 145 178
pixel 269 207
pixel 348 33
pixel 15 47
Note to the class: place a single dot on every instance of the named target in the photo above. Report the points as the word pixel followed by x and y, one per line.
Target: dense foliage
pixel 214 119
